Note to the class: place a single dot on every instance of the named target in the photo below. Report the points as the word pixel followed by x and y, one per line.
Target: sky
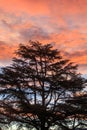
pixel 60 22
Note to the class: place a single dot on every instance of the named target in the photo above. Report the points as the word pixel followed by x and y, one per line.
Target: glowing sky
pixel 61 22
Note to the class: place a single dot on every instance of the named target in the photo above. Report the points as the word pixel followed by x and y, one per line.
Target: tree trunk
pixel 43 127
pixel 46 128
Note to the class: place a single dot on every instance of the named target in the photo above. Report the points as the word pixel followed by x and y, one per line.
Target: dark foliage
pixel 39 88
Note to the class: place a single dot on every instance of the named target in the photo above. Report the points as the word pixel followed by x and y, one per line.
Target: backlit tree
pixel 36 87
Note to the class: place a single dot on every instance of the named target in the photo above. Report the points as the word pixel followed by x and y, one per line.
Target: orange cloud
pixel 6 53
pixel 63 22
pixel 24 6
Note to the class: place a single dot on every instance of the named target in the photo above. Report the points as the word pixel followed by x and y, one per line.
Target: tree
pixel 37 86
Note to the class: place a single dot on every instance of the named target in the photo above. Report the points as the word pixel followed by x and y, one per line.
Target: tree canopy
pixel 40 88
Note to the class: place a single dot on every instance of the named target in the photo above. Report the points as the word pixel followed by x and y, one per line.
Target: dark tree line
pixel 40 88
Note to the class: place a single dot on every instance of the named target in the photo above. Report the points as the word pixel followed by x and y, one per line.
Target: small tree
pixel 37 85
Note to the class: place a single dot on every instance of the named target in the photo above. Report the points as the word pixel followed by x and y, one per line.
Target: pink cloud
pixel 24 6
pixel 6 52
pixel 63 22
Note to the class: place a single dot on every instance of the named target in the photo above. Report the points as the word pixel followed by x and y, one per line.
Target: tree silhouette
pixel 38 86
pixel 77 111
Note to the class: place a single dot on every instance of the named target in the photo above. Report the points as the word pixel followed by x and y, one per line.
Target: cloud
pixel 63 22
pixel 6 52
pixel 24 6
pixel 79 57
pixel 33 33
pixel 64 13
pixel 83 69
